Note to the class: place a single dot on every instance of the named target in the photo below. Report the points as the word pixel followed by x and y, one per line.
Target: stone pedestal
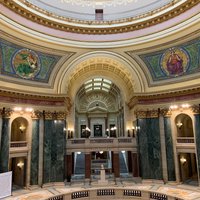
pixel 102 180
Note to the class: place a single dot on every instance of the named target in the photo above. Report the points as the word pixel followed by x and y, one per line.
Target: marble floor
pixel 181 191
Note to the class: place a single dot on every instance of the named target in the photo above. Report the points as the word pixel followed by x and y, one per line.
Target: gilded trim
pixel 100 30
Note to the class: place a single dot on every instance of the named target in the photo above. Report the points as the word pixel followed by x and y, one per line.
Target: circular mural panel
pixel 174 62
pixel 26 63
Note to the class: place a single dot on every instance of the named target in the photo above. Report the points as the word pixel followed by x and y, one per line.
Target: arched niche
pixel 19 128
pixel 184 125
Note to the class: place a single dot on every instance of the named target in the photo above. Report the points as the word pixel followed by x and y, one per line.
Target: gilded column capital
pixel 166 112
pixel 6 113
pixel 147 114
pixel 55 115
pixel 37 114
pixel 195 109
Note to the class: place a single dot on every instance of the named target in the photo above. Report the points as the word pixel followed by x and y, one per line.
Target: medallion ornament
pixel 26 63
pixel 174 62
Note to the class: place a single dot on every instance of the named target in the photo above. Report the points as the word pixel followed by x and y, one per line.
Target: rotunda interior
pixel 100 99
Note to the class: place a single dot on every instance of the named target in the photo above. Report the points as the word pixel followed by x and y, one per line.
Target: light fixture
pixel 173 107
pixel 185 105
pixel 123 151
pixel 183 160
pixel 20 164
pixel 179 124
pixel 22 128
pixel 29 109
pixel 17 109
pixel 79 152
pixel 101 152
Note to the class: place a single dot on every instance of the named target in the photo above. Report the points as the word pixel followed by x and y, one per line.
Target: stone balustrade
pixel 185 140
pixel 104 144
pixel 17 144
pixel 113 193
pixel 19 147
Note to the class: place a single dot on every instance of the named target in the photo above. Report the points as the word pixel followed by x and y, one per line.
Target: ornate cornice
pixel 120 28
pixel 195 109
pixel 6 113
pixel 167 97
pixel 147 114
pixel 40 100
pixel 55 115
pixel 37 114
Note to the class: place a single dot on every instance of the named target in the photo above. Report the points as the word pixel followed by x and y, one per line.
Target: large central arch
pixel 108 65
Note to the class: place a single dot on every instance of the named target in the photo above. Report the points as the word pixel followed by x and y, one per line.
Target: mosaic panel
pixel 174 62
pixel 23 63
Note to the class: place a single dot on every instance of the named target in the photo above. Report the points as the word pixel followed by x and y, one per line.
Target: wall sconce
pixel 128 132
pixel 179 125
pixel 183 160
pixel 20 165
pixel 133 131
pixel 70 133
pixel 22 128
pixel 107 132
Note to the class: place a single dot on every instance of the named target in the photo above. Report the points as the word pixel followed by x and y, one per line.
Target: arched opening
pixel 99 110
pixel 186 156
pixel 18 159
pixel 19 129
pixel 184 126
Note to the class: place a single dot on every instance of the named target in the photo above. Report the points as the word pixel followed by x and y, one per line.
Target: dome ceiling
pixel 112 9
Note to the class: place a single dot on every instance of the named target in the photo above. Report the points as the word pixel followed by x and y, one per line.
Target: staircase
pixel 79 164
pixel 122 163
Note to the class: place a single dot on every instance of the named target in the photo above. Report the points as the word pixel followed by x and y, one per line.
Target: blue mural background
pixel 7 52
pixel 153 60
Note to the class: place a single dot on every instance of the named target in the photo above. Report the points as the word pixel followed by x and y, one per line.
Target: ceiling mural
pixel 172 63
pixel 23 63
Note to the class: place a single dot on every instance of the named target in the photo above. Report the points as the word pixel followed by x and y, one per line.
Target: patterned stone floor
pixel 180 191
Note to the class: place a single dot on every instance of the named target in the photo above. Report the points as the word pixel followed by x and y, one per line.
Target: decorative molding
pixel 6 113
pixel 39 100
pixel 196 109
pixel 37 114
pixel 147 114
pixel 166 112
pixel 167 97
pixel 76 28
pixel 55 115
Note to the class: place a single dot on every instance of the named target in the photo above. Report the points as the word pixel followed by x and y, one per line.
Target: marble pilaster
pixel 149 148
pixel 35 152
pixel 169 149
pixel 197 135
pixel 163 149
pixel 54 150
pixel 41 151
pixel 1 121
pixel 87 165
pixel 4 151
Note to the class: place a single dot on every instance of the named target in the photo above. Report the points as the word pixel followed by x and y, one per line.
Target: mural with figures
pixel 23 63
pixel 175 62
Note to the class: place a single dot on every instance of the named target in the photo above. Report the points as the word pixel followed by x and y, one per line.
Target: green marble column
pixel 4 151
pixel 54 151
pixel 149 148
pixel 197 135
pixel 169 149
pixel 34 152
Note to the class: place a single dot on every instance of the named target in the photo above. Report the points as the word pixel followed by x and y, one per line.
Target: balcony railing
pixel 18 144
pixel 104 144
pixel 185 140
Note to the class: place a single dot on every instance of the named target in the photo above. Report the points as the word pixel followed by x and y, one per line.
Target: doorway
pixel 188 168
pixel 18 167
pixel 98 130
